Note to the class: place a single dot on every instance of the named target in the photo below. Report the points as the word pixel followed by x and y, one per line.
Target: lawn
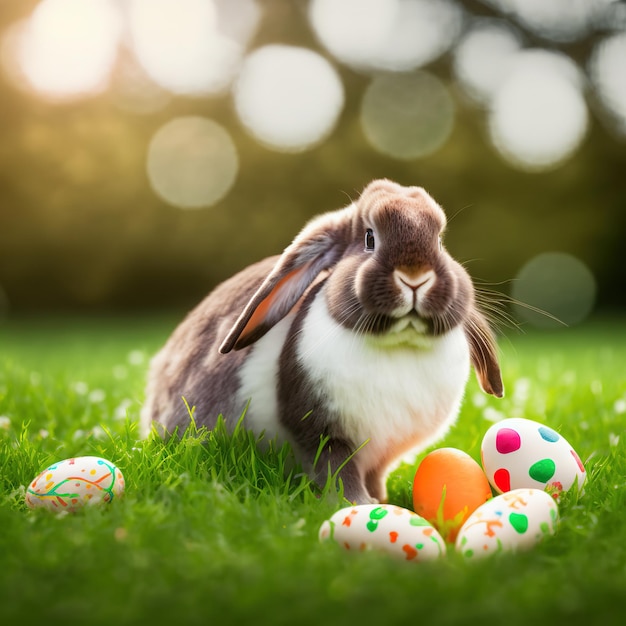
pixel 212 531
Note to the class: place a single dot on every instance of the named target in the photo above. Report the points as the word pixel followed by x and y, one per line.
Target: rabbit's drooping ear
pixel 318 247
pixel 483 354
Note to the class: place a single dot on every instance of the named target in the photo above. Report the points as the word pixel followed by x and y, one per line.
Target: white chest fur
pixel 391 395
pixel 259 381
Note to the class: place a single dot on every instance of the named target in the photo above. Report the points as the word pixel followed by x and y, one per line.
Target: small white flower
pixel 19 492
pixel 479 400
pixel 43 433
pixel 5 422
pixel 97 432
pixel 620 406
pixel 97 396
pixel 120 372
pixel 493 415
pixel 297 528
pixel 613 439
pixel 121 412
pixel 80 388
pixel 136 357
pixel 521 390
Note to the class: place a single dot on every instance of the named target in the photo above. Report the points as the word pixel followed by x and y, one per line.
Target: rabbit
pixel 360 335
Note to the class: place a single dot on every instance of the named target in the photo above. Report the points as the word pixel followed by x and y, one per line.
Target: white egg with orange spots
pixel 392 529
pixel 73 483
pixel 516 520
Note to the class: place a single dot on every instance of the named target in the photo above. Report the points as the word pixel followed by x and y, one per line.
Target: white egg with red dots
pixel 521 453
pixel 384 527
pixel 511 522
pixel 74 483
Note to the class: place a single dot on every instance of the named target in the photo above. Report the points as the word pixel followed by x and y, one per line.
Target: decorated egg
pixel 385 527
pixel 518 453
pixel 449 485
pixel 516 520
pixel 73 483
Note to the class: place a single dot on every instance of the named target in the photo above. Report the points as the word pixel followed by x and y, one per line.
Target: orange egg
pixel 448 486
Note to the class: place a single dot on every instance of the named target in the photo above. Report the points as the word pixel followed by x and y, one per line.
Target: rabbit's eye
pixel 369 240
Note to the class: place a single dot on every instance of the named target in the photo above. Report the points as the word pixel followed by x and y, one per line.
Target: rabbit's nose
pixel 415 280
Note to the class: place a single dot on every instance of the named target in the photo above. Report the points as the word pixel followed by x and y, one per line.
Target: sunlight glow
pixel 192 162
pixel 67 48
pixel 179 45
pixel 289 98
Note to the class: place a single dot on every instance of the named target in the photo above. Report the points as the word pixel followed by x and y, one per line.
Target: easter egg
pixel 73 483
pixel 516 520
pixel 519 453
pixel 448 486
pixel 386 527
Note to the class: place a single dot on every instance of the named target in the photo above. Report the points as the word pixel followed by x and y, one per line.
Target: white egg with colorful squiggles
pixel 514 521
pixel 389 528
pixel 74 483
pixel 518 453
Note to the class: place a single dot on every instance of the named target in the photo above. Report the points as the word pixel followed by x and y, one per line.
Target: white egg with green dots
pixel 518 453
pixel 514 521
pixel 384 527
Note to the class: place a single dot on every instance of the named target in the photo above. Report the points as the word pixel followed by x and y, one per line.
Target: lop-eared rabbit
pixel 361 333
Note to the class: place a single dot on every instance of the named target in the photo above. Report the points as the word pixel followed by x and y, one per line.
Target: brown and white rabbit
pixel 361 332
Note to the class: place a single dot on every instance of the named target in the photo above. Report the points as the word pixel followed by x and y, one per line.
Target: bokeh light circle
pixel 607 68
pixel 407 116
pixel 557 283
pixel 67 48
pixel 288 98
pixel 556 20
pixel 353 30
pixel 179 45
pixel 538 116
pixel 238 19
pixel 482 58
pixel 192 162
pixel 398 35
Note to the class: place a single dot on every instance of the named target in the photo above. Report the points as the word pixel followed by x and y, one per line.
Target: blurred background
pixel 151 148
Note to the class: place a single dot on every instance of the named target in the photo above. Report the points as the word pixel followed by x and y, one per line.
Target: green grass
pixel 211 530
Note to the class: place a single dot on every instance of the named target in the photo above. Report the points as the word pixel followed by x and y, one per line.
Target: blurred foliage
pixel 80 227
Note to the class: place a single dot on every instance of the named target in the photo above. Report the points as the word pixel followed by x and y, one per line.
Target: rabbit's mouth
pixel 408 331
pixel 410 322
